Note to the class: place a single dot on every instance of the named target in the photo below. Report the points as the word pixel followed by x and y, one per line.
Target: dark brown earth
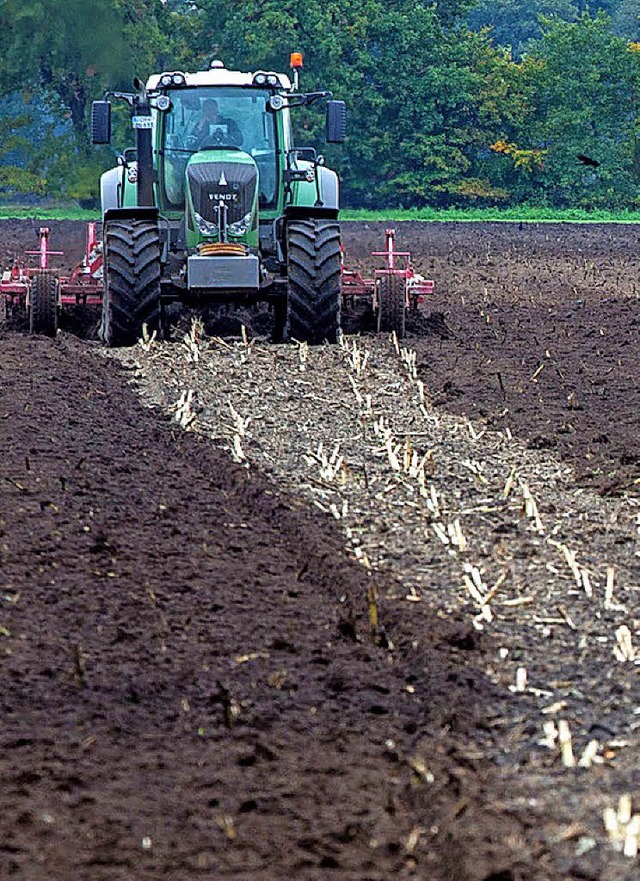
pixel 510 300
pixel 190 687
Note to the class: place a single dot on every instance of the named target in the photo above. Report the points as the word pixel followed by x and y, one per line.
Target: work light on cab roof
pixel 173 80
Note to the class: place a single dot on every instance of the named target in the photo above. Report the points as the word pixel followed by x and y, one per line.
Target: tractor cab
pixel 225 120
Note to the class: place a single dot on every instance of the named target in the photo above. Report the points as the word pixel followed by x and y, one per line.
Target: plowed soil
pixel 533 327
pixel 194 682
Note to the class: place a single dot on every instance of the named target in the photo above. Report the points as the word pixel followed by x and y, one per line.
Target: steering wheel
pixel 217 139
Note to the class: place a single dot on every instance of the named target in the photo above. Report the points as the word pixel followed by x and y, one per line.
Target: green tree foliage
pixel 626 19
pixel 515 23
pixel 64 53
pixel 14 176
pixel 419 138
pixel 75 50
pixel 52 46
pixel 585 84
pixel 448 104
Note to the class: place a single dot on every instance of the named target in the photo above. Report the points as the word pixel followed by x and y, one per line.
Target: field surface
pixel 357 612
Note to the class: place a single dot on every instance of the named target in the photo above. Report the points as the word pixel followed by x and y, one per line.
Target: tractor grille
pixel 233 183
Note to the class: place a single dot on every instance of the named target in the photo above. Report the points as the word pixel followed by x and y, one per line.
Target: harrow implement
pixel 40 292
pixel 395 289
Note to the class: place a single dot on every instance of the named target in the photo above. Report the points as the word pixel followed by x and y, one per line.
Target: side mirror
pixel 336 122
pixel 101 122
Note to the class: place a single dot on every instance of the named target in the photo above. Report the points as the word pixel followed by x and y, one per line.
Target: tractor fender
pixel 135 212
pixel 111 188
pixel 329 188
pixel 305 194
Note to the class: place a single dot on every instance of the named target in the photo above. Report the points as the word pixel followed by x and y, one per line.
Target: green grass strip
pixel 510 215
pixel 459 215
pixel 35 213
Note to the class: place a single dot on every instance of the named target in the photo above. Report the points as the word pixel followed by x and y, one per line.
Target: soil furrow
pixel 189 680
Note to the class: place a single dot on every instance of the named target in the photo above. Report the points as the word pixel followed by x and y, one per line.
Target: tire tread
pixel 132 281
pixel 392 309
pixel 43 304
pixel 314 296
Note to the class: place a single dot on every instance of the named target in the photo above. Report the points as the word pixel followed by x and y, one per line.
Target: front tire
pixel 392 305
pixel 44 299
pixel 313 291
pixel 132 281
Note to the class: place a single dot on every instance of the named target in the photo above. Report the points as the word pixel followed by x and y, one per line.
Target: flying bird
pixel 587 160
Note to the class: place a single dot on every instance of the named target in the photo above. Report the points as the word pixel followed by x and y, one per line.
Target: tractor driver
pixel 213 129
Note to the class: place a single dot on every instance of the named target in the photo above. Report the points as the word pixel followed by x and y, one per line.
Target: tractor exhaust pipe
pixel 141 118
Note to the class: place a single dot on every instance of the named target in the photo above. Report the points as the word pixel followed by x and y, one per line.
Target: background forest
pixel 451 103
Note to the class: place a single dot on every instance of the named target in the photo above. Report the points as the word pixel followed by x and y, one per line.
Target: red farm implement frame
pixel 41 292
pixel 394 290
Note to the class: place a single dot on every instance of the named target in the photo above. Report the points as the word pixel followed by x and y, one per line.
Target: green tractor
pixel 216 205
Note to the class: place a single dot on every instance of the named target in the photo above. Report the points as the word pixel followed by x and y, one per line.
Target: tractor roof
pixel 217 76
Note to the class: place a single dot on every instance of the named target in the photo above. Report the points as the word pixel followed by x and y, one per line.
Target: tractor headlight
pixel 266 78
pixel 275 102
pixel 175 79
pixel 205 227
pixel 240 227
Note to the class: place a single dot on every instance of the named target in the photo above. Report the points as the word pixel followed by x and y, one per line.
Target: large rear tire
pixel 313 291
pixel 43 304
pixel 392 306
pixel 131 281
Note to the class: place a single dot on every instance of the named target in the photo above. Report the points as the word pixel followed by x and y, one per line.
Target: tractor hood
pixel 221 183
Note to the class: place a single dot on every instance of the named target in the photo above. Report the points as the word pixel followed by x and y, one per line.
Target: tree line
pixel 451 102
